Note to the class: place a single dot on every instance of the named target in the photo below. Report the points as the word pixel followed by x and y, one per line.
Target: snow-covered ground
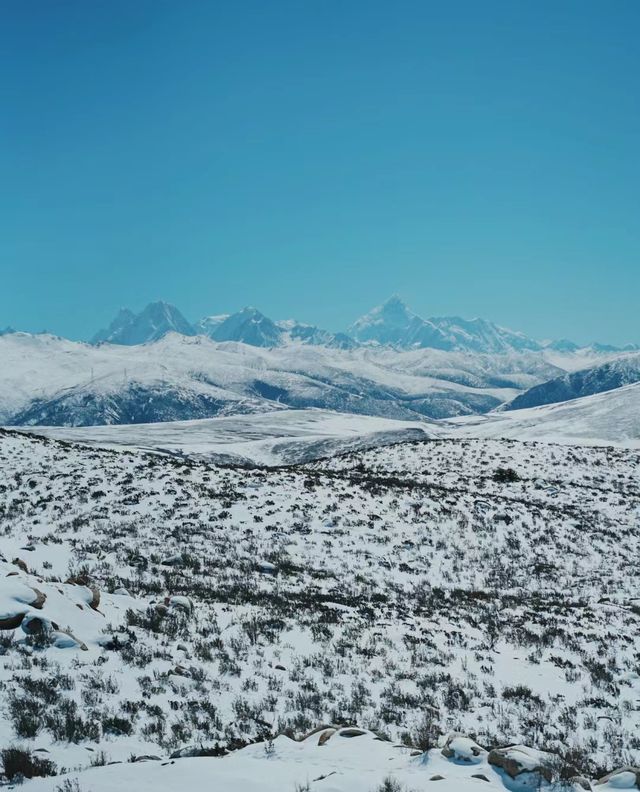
pixel 363 763
pixel 273 438
pixel 480 586
pixel 293 436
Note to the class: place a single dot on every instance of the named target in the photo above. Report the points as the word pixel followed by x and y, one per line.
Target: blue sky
pixel 311 158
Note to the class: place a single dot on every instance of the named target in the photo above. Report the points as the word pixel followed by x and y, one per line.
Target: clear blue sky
pixel 313 157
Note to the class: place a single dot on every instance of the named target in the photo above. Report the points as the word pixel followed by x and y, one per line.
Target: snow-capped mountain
pixel 300 333
pixel 249 326
pixel 391 324
pixel 479 335
pixel 152 323
pixel 394 324
pixel 252 327
pixel 604 377
pixel 208 324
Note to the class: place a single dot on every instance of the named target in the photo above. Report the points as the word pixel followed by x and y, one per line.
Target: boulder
pixel 180 603
pixel 11 621
pixel 325 736
pixel 90 594
pixel 95 598
pixel 16 598
pixel 460 748
pixel 627 777
pixel 266 567
pixel 580 782
pixel 174 560
pixel 35 625
pixel 351 731
pixel 64 639
pixel 515 760
pixel 39 600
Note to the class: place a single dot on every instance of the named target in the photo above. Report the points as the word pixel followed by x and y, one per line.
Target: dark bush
pixel 18 763
pixel 505 475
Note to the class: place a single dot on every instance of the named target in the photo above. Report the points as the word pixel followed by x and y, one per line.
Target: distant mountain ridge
pixel 391 324
pixel 394 324
pixel 585 382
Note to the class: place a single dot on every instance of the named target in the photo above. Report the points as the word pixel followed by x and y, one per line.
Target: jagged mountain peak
pixel 154 321
pixel 393 323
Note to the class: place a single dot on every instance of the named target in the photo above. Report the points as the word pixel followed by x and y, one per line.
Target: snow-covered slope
pixel 341 763
pixel 48 380
pixel 274 438
pixel 479 586
pixel 597 379
pixel 610 418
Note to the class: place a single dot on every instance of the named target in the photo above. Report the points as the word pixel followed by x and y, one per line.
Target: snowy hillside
pixel 611 418
pixel 49 380
pixel 597 379
pixel 156 606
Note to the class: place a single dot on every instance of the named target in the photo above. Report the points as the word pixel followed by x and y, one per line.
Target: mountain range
pixel 390 324
pixel 156 366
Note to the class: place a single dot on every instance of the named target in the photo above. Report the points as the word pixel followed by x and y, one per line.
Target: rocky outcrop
pixel 515 760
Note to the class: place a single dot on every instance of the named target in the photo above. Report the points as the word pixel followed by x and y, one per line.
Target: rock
pixel 266 567
pixel 581 781
pixel 11 621
pixel 179 602
pixel 35 625
pixel 95 598
pixel 518 759
pixel 63 639
pixel 16 599
pixel 279 667
pixel 90 595
pixel 351 731
pixel 20 564
pixel 481 776
pixel 627 777
pixel 326 736
pixel 437 778
pixel 146 758
pixel 192 751
pixel 114 641
pixel 175 560
pixel 40 599
pixel 459 748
